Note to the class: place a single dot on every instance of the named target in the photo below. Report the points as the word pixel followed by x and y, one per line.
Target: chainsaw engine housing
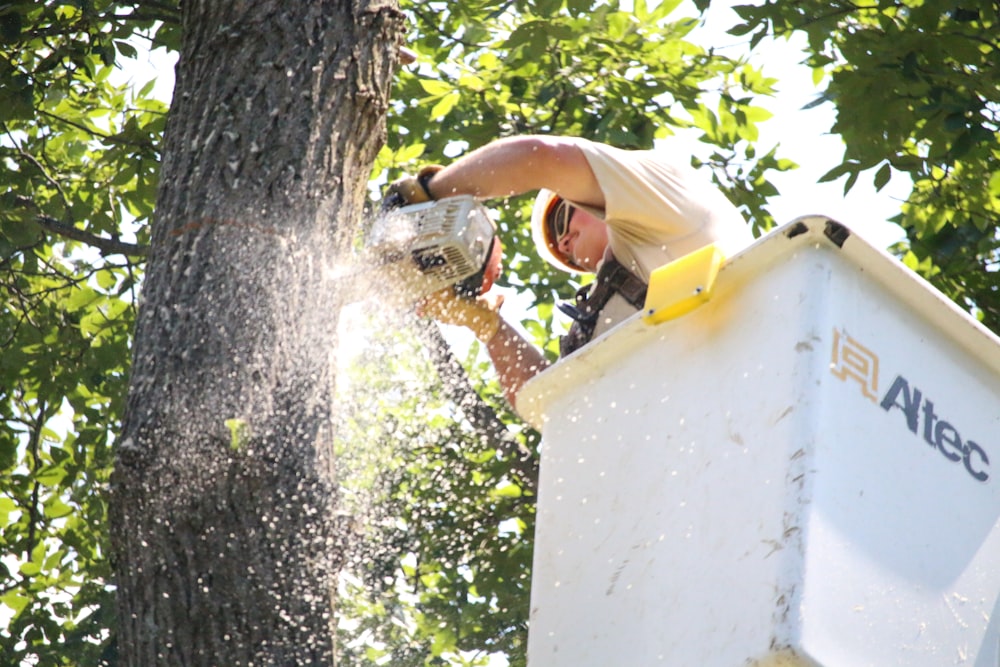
pixel 432 245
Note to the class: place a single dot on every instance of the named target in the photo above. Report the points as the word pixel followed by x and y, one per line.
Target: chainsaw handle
pixel 410 189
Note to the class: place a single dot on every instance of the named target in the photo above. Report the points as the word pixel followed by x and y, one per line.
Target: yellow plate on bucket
pixel 679 287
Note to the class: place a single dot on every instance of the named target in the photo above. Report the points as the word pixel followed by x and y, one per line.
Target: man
pixel 601 210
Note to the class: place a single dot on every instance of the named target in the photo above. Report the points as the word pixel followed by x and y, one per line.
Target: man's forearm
pixel 515 359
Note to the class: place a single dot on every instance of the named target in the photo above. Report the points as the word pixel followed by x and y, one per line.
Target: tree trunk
pixel 222 507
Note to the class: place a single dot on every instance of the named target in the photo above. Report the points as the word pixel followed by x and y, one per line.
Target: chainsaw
pixel 423 248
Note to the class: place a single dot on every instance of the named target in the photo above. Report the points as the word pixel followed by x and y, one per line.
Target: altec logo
pixel 852 360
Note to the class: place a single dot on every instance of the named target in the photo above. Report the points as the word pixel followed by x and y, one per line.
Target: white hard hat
pixel 546 245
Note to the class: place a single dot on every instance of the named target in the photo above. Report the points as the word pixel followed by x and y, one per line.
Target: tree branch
pixel 106 246
pixel 110 138
pixel 34 445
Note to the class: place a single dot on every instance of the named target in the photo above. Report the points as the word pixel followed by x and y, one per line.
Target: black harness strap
pixel 612 278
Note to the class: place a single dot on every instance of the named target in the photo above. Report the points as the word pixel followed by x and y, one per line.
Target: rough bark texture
pixel 225 543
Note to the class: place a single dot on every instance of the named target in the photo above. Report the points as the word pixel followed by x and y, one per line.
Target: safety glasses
pixel 558 219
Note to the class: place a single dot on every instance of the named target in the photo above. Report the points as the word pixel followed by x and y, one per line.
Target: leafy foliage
pixel 916 89
pixel 79 162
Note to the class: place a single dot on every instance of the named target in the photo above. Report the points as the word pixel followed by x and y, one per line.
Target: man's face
pixel 584 241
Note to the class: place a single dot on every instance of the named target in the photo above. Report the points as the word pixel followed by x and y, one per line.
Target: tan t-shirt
pixel 658 208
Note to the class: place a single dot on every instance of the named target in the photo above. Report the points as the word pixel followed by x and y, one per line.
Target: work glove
pixel 480 315
pixel 410 189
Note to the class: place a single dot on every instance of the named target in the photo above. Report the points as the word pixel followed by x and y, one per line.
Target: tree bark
pixel 223 533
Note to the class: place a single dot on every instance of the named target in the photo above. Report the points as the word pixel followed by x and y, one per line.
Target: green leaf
pixel 994 184
pixel 146 89
pixel 740 30
pixel 129 51
pixel 445 105
pixel 507 490
pixel 106 279
pixel 955 122
pixel 50 476
pixel 838 171
pixel 82 297
pixel 852 178
pixel 15 600
pixel 882 176
pixel 7 507
pixel 409 153
pixel 11 25
pixel 436 87
pixel 57 509
pixel 239 433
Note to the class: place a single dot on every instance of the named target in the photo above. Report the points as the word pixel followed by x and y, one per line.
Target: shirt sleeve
pixel 648 192
pixel 655 202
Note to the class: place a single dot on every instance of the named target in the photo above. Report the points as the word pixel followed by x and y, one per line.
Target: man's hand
pixel 480 315
pixel 410 189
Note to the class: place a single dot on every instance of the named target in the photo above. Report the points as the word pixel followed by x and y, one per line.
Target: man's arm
pixel 516 165
pixel 502 168
pixel 515 360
